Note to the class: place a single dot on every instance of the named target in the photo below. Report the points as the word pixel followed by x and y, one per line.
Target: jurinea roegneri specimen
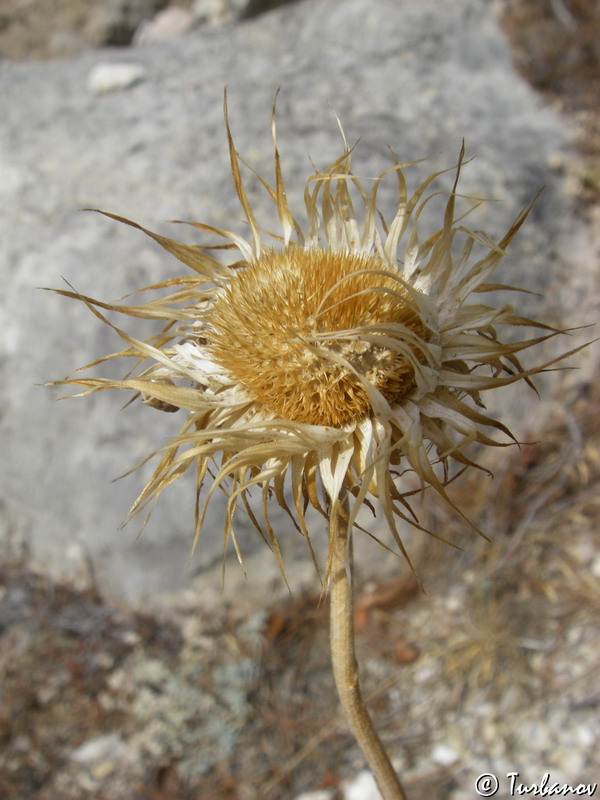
pixel 328 359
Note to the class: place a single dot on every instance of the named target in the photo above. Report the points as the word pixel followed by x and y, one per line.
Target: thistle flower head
pixel 329 359
pixel 289 328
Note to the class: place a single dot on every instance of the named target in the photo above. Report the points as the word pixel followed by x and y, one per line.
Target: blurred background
pixel 130 670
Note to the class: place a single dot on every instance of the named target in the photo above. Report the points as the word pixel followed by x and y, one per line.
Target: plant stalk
pixel 343 657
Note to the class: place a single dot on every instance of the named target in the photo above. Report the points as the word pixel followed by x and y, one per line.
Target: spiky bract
pixel 321 360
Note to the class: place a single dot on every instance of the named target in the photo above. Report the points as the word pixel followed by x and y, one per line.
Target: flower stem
pixel 343 657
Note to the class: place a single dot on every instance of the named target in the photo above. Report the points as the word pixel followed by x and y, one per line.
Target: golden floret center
pixel 309 333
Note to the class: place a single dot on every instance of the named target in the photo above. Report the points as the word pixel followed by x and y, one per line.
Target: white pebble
pixel 99 748
pixel 363 787
pixel 444 756
pixel 111 77
pixel 585 736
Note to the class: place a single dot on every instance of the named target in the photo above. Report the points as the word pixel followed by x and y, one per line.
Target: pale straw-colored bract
pixel 328 361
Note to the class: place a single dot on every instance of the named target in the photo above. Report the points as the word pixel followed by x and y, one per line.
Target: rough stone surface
pixel 395 72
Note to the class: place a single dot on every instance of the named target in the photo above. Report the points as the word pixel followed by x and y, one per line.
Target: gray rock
pixel 57 28
pixel 395 72
pixel 167 24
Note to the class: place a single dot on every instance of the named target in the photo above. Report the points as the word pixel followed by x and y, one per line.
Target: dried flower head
pixel 327 359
